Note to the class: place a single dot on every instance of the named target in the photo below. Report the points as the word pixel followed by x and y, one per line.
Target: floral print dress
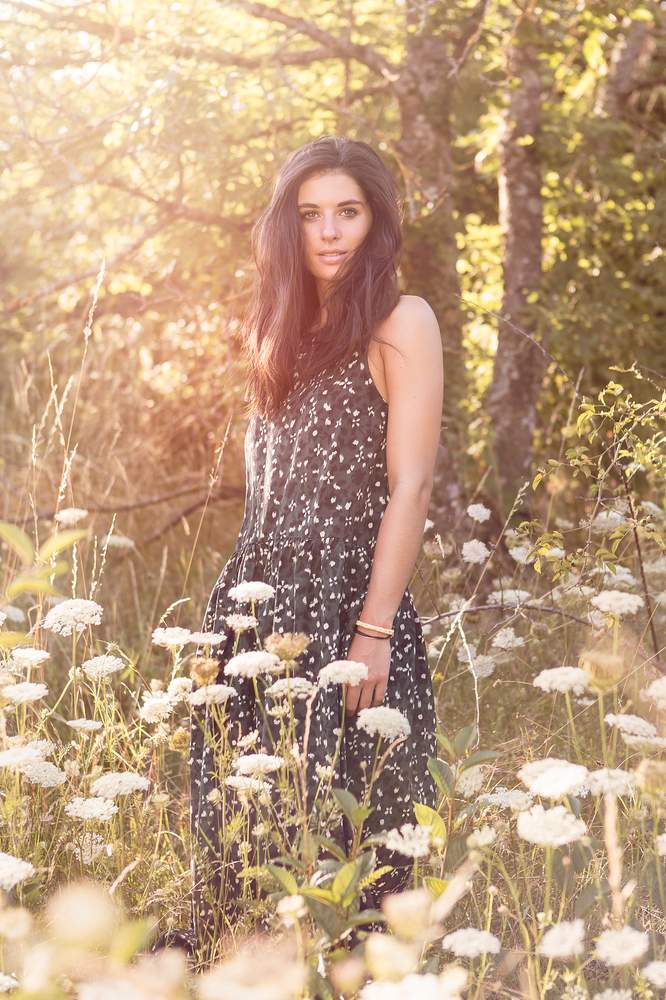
pixel 316 489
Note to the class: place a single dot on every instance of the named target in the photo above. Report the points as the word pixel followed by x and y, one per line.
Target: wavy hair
pixel 283 320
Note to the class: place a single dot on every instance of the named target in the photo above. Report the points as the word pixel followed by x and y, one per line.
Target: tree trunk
pixel 519 364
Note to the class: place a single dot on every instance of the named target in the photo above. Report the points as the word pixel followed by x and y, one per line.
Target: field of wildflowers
pixel 542 872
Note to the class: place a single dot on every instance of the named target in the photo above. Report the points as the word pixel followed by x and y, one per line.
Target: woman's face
pixel 335 216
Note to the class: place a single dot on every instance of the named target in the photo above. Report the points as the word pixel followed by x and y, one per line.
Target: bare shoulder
pixel 412 328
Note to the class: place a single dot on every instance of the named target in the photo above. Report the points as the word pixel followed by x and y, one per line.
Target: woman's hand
pixel 376 654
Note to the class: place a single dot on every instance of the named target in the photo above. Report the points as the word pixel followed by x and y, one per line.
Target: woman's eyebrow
pixel 349 201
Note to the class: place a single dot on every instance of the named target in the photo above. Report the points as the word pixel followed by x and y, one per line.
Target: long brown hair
pixel 284 318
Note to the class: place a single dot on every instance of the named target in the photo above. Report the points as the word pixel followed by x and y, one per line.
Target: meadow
pixel 541 873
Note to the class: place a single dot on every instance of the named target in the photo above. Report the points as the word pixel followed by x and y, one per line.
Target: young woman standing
pixel 345 394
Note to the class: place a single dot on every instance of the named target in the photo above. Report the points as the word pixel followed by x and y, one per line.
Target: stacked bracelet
pixel 376 631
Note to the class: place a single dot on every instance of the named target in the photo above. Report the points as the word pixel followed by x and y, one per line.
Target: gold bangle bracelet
pixel 376 628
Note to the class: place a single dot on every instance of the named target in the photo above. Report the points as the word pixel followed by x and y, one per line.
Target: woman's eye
pixel 311 211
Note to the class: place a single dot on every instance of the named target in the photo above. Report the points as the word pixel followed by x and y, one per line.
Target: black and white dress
pixel 316 489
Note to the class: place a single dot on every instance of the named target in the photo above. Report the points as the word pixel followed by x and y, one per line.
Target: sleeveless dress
pixel 316 488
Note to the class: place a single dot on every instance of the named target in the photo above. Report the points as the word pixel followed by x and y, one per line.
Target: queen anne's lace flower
pixel 70 515
pixel 617 602
pixel 295 687
pixel 84 725
pixel 475 551
pixel 470 942
pixel 207 638
pixel 7 982
pixel 389 723
pixel 563 940
pixel 258 764
pixel 156 707
pixel 13 870
pixel 549 827
pixel 251 590
pixel 243 783
pixel 251 664
pixel 95 808
pixel 509 596
pixel 447 986
pixel 483 837
pixel 241 623
pixel 89 847
pixel 22 694
pixel 72 615
pixel 655 973
pixel 562 679
pixel 212 694
pixel 478 512
pixel 552 777
pixel 506 638
pixel 621 947
pixel 43 773
pixel 100 667
pixel 114 783
pixel 27 656
pixel 613 780
pixel 343 672
pixel 632 724
pixel 469 780
pixel 507 798
pixel 412 841
pixel 173 637
pixel 656 692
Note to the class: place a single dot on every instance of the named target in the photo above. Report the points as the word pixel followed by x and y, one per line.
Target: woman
pixel 345 395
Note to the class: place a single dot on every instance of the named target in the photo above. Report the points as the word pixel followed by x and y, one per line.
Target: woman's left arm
pixel 413 367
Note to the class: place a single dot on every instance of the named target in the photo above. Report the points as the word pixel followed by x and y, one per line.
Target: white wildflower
pixel 179 688
pixel 606 520
pixel 249 740
pixel 469 780
pixel 251 590
pixel 427 986
pixel 520 553
pixel 656 692
pixel 644 744
pixel 241 623
pixel 72 615
pixel 506 798
pixel 483 666
pixel 7 982
pixel 295 687
pixel 84 725
pixel 617 602
pixel 22 694
pixel 258 764
pixel 611 780
pixel 13 614
pixel 389 723
pixel 470 942
pixel 212 694
pixel 563 940
pixel 561 679
pixel 69 516
pixel 634 725
pixel 90 846
pixel 655 973
pixel 114 783
pixel 26 753
pixel 42 772
pixel 611 994
pixel 478 512
pixel 343 672
pixel 251 664
pixel 100 667
pixel 509 596
pixel 207 638
pixel 26 656
pixel 94 808
pixel 621 947
pixel 156 707
pixel 506 638
pixel 549 827
pixel 555 552
pixel 13 870
pixel 552 777
pixel 475 551
pixel 660 842
pixel 173 637
pixel 243 783
pixel 483 837
pixel 412 841
pixel 118 541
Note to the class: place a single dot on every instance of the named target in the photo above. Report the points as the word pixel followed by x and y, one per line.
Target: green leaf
pixel 345 880
pixel 285 878
pixel 425 816
pixel 446 744
pixel 435 885
pixel 478 757
pixel 18 541
pixel 61 541
pixel 10 639
pixel 350 806
pixel 31 583
pixel 464 739
pixel 442 774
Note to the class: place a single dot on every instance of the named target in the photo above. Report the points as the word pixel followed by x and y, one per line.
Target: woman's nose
pixel 329 228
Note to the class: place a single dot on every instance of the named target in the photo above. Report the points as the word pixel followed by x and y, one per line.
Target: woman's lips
pixel 330 258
